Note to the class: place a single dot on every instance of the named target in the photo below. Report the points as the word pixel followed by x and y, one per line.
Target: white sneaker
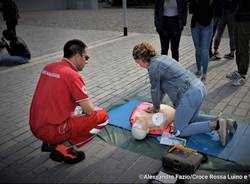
pixel 233 75
pixel 239 81
pixel 223 131
pixel 203 78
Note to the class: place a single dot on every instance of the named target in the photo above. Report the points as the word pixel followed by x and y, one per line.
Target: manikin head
pixel 139 132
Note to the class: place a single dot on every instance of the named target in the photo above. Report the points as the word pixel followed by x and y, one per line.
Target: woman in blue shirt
pixel 183 88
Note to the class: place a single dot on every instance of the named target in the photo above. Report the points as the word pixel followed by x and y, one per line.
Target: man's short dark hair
pixel 73 47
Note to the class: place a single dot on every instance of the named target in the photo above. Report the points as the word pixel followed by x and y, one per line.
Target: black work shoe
pixel 67 154
pixel 55 156
pixel 229 56
pixel 47 147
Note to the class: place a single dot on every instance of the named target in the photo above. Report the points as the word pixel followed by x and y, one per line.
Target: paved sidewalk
pixel 111 75
pixel 44 41
pixel 57 25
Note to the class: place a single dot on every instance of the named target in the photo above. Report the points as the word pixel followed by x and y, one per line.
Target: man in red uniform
pixel 59 90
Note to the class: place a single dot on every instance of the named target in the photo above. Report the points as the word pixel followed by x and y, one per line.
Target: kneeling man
pixel 59 90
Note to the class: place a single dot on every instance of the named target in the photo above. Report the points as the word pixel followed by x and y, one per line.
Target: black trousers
pixel 170 34
pixel 11 25
pixel 242 39
pixel 215 24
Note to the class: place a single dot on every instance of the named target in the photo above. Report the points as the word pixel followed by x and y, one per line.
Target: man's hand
pixel 87 106
pixel 151 110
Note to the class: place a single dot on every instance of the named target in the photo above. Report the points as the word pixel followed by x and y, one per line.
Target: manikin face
pixel 142 63
pixel 82 60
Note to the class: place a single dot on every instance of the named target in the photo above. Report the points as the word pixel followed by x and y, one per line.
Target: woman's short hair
pixel 73 47
pixel 144 51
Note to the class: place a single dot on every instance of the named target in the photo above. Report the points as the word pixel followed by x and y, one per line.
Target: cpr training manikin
pixel 152 123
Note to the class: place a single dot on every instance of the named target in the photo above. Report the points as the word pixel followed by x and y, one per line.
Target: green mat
pixel 150 147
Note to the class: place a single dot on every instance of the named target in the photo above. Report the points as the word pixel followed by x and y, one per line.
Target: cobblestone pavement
pixel 59 26
pixel 111 75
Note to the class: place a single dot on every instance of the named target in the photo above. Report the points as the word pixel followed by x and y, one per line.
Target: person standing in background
pixel 170 18
pixel 201 29
pixel 242 37
pixel 10 15
pixel 227 19
pixel 216 19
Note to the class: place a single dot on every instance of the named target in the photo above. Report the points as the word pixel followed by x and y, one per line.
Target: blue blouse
pixel 169 77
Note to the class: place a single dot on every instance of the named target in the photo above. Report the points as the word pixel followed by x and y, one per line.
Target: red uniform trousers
pixel 78 130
